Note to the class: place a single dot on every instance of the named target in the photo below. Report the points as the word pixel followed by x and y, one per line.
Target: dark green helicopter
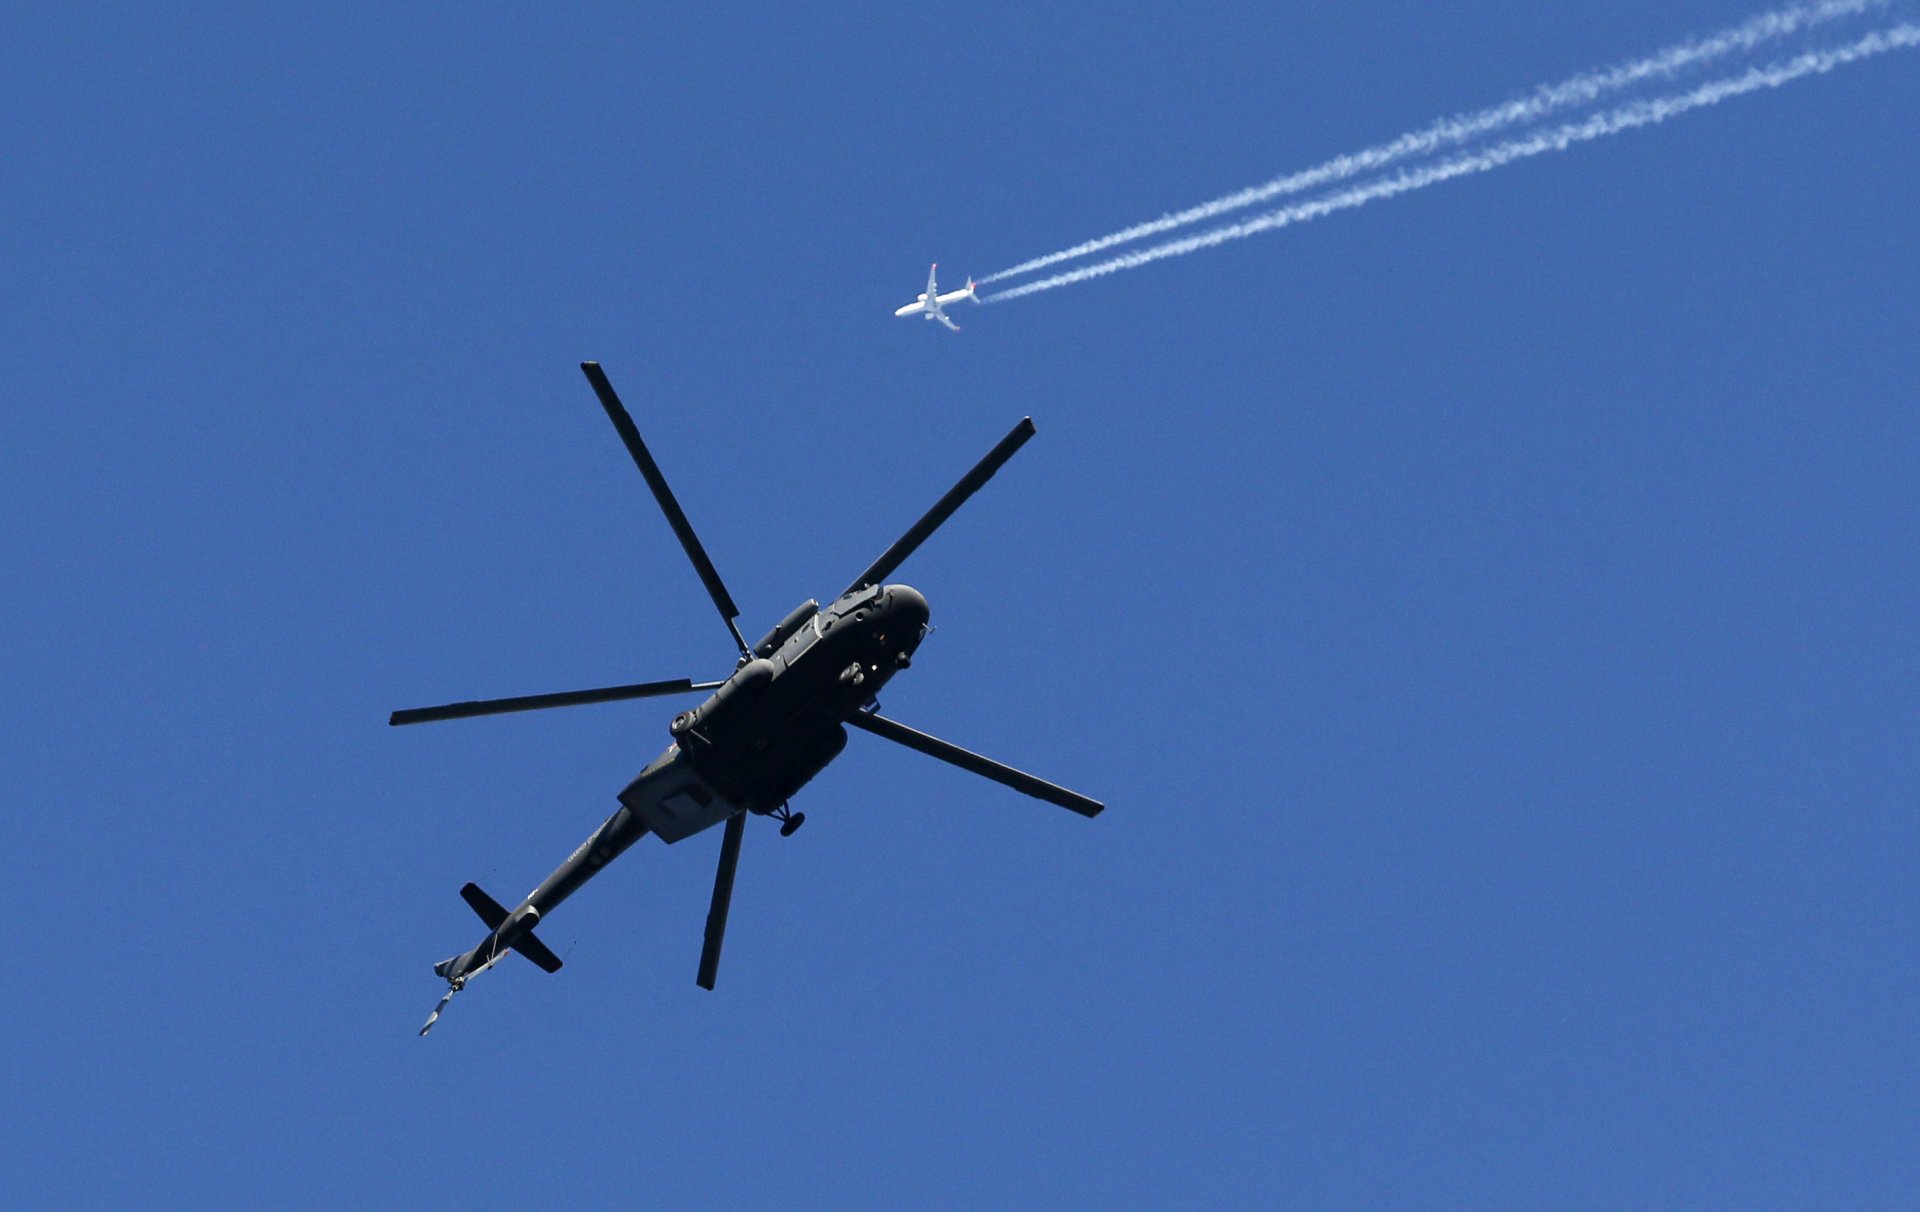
pixel 761 735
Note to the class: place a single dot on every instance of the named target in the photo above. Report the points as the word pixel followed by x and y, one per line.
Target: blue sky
pixel 1488 615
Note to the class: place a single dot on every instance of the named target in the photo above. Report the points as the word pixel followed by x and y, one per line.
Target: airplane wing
pixel 942 317
pixel 933 292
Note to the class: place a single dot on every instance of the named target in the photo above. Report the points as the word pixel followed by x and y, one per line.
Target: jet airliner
pixel 933 304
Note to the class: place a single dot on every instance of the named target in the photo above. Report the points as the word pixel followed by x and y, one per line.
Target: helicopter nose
pixel 907 609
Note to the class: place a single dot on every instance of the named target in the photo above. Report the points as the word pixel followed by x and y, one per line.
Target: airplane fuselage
pixel 919 306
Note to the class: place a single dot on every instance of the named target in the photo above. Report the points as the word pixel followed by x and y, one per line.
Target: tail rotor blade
pixel 736 829
pixel 956 496
pixel 676 517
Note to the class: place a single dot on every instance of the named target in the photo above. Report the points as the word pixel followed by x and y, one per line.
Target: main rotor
pixel 768 728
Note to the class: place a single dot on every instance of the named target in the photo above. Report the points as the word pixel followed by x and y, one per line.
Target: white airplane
pixel 933 304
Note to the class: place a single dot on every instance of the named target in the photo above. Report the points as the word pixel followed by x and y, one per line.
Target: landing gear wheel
pixel 791 823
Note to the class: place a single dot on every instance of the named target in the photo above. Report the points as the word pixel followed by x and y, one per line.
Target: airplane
pixel 772 724
pixel 933 304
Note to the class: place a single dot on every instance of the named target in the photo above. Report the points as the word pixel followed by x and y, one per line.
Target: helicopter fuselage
pixel 769 728
pixel 778 720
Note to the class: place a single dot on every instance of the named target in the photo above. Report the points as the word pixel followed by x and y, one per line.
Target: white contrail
pixel 1612 122
pixel 1582 89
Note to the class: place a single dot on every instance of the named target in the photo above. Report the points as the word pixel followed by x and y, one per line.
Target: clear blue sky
pixel 1489 615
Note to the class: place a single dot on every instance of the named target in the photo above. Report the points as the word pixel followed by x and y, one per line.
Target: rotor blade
pixel 722 898
pixel 534 702
pixel 956 496
pixel 933 746
pixel 676 517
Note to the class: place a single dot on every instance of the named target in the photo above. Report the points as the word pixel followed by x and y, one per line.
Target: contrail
pixel 1612 122
pixel 1582 89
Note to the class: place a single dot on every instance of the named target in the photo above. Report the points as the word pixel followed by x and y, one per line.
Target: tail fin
pixel 973 291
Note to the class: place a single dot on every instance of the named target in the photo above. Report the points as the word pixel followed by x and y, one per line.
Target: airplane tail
pixel 973 291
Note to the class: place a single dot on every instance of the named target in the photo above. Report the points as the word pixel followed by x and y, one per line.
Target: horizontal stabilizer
pixel 489 909
pixel 495 915
pixel 536 951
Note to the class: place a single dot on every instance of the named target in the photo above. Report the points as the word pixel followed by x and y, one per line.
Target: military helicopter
pixel 764 731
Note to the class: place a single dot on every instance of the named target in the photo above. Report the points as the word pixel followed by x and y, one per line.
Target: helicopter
pixel 763 732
